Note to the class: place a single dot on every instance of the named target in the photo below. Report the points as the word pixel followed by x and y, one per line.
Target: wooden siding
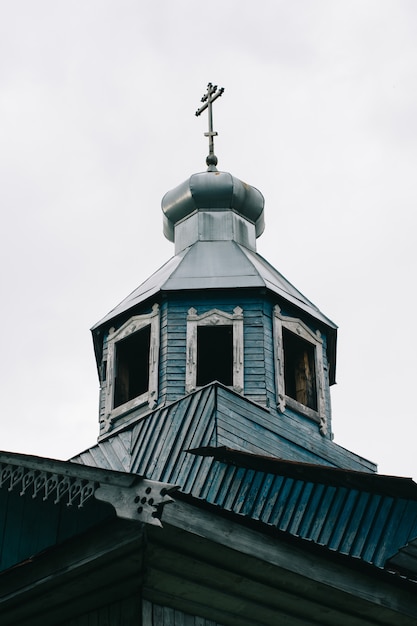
pixel 173 357
pixel 29 525
pixel 259 357
pixel 156 615
pixel 246 426
pixel 269 355
pixel 254 352
pixel 103 390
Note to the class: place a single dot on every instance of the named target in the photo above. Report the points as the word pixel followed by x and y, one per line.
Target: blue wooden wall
pixel 29 525
pixel 259 358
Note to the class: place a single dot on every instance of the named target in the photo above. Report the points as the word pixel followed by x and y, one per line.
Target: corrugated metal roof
pixel 360 515
pixel 355 513
pixel 360 523
pixel 231 420
pixel 374 483
pixel 158 443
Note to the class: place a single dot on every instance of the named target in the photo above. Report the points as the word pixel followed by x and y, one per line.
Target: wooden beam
pixel 325 581
pixel 91 570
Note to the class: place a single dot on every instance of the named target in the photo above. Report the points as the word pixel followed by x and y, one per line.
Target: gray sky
pixel 97 102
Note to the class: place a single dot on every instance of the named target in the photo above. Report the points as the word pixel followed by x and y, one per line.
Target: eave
pixel 219 265
pixel 244 577
pixel 73 484
pixel 205 564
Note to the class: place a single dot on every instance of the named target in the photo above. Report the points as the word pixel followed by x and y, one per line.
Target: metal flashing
pixel 382 484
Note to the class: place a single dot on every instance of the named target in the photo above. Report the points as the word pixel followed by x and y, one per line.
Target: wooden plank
pixel 96 568
pixel 354 592
pixel 292 431
pixel 240 591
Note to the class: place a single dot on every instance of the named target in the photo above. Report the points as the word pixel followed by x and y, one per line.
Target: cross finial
pixel 212 94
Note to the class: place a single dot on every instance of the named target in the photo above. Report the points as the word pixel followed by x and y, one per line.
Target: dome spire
pixel 212 94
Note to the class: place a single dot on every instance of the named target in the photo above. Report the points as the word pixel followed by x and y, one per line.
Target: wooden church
pixel 215 495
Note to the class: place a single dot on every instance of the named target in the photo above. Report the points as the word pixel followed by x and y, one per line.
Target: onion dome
pixel 213 206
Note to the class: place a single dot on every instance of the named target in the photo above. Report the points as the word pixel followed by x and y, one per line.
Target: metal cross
pixel 212 94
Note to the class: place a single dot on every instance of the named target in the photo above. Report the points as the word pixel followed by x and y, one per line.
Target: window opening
pixel 132 366
pixel 214 355
pixel 214 349
pixel 299 369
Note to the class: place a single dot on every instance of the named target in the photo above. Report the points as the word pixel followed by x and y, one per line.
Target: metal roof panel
pixel 216 265
pixel 277 283
pixel 145 290
pixel 357 513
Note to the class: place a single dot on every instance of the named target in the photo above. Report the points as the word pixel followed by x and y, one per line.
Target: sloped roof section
pixel 147 289
pixel 157 445
pixel 217 265
pixel 277 283
pixel 317 497
pixel 365 516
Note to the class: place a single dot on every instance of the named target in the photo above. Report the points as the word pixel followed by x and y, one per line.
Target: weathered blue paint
pixel 368 526
pixel 155 446
pixel 259 356
pixel 29 525
pixel 368 523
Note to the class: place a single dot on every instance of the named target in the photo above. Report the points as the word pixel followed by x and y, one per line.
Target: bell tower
pixel 218 316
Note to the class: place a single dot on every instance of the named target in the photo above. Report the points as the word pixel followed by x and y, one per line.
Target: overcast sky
pixel 97 102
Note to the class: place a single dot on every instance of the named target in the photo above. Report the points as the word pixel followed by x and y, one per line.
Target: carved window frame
pixel 300 329
pixel 133 325
pixel 214 317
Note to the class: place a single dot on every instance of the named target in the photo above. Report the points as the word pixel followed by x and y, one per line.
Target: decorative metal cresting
pixel 212 94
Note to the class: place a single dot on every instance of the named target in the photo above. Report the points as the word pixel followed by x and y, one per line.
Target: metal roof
pixel 338 477
pixel 212 190
pixel 356 522
pixel 363 515
pixel 217 265
pixel 211 416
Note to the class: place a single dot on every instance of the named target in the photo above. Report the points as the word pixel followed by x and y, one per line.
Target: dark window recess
pixel 104 371
pixel 132 366
pixel 299 369
pixel 214 355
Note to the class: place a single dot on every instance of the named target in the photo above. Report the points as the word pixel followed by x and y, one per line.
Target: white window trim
pixel 214 317
pixel 298 327
pixel 150 397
